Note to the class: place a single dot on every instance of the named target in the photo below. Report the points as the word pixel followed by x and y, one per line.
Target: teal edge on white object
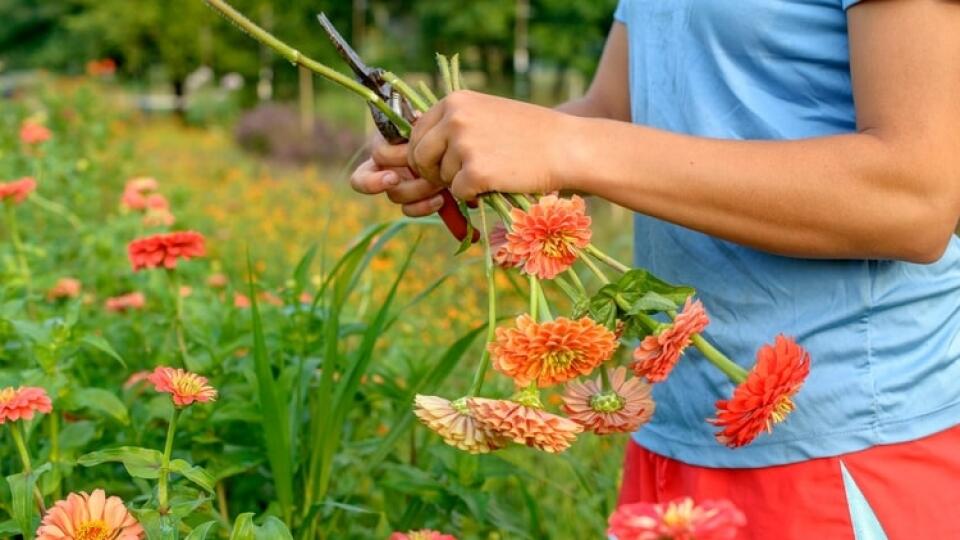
pixel 866 526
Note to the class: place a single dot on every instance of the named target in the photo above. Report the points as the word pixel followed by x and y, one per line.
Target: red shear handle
pixel 454 220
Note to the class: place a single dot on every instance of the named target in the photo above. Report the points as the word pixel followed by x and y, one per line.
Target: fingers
pixel 424 207
pixel 388 156
pixel 450 166
pixel 411 191
pixel 369 179
pixel 425 157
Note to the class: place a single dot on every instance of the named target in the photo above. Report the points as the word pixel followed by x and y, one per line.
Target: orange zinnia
pixel 185 387
pixel 658 354
pixel 17 191
pixel 622 409
pixel 423 534
pixel 453 421
pixel 765 398
pixel 498 247
pixel 677 520
pixel 547 237
pixel 125 302
pixel 93 516
pixel 64 288
pixel 34 133
pixel 551 352
pixel 163 250
pixel 22 403
pixel 521 424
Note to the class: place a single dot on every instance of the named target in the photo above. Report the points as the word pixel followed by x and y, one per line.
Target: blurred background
pixel 255 154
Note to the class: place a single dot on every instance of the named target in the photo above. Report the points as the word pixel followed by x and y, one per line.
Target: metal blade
pixel 348 54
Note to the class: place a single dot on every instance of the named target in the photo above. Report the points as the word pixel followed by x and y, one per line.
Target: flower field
pixel 98 313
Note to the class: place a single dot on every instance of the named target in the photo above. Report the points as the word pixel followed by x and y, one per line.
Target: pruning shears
pixel 373 78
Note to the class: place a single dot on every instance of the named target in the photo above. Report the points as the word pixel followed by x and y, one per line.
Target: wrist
pixel 571 160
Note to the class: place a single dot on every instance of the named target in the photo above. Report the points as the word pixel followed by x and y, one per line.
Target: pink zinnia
pixel 548 236
pixel 34 133
pixel 217 281
pixel 658 353
pixel 622 409
pixel 158 218
pixel 163 250
pixel 241 301
pixel 138 192
pixel 524 424
pixel 677 520
pixel 423 534
pixel 136 378
pixel 17 191
pixel 125 302
pixel 64 288
pixel 22 403
pixel 93 516
pixel 453 421
pixel 185 387
pixel 498 247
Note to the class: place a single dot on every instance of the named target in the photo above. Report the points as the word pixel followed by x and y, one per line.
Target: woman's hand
pixel 387 172
pixel 475 143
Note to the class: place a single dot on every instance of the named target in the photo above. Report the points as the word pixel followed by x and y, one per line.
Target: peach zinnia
pixel 677 520
pixel 658 354
pixel 454 422
pixel 125 302
pixel 423 534
pixel 64 288
pixel 765 398
pixel 185 387
pixel 551 352
pixel 17 191
pixel 498 247
pixel 547 237
pixel 93 516
pixel 34 133
pixel 22 403
pixel 622 409
pixel 163 250
pixel 522 424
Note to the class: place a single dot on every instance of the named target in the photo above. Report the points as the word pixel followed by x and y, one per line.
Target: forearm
pixel 845 196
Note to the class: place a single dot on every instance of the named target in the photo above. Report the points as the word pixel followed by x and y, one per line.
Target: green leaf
pixel 102 345
pixel 197 475
pixel 652 301
pixel 637 282
pixel 300 274
pixel 274 409
pixel 200 531
pixel 139 462
pixel 156 526
pixel 77 434
pixel 9 528
pixel 23 508
pixel 99 400
pixel 272 529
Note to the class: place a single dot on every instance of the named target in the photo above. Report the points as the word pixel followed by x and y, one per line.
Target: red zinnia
pixel 657 354
pixel 17 190
pixel 34 133
pixel 22 403
pixel 765 398
pixel 163 250
pixel 546 238
pixel 677 520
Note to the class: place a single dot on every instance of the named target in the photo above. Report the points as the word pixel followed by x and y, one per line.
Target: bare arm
pixel 890 190
pixel 609 93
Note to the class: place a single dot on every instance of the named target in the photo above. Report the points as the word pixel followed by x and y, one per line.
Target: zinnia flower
pixel 21 403
pixel 93 516
pixel 137 193
pixel 241 301
pixel 524 424
pixel 158 218
pixel 64 288
pixel 765 398
pixel 423 534
pixel 34 133
pixel 136 378
pixel 125 302
pixel 624 408
pixel 658 354
pixel 142 184
pixel 17 191
pixel 217 281
pixel 163 250
pixel 677 520
pixel 551 352
pixel 547 237
pixel 498 247
pixel 184 386
pixel 454 422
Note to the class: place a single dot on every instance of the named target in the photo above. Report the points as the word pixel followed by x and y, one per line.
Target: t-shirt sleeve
pixel 620 15
pixel 847 4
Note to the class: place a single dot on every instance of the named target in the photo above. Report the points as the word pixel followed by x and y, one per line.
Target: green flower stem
pixel 502 206
pixel 593 268
pixel 54 426
pixel 295 57
pixel 519 200
pixel 162 487
pixel 576 282
pixel 56 208
pixel 534 299
pixel 605 378
pixel 21 444
pixel 407 91
pixel 568 289
pixel 19 250
pixel 546 314
pixel 607 259
pixel 491 305
pixel 428 93
pixel 178 320
pixel 729 368
pixel 446 77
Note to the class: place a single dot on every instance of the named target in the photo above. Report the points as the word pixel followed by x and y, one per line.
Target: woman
pixel 798 161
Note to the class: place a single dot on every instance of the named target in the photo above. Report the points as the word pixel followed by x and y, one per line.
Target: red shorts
pixel 912 489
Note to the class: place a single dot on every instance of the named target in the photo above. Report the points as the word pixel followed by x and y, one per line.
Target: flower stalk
pixel 19 250
pixel 18 440
pixel 481 372
pixel 162 484
pixel 178 319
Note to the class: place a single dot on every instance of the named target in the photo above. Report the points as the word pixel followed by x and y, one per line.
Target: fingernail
pixel 391 179
pixel 436 202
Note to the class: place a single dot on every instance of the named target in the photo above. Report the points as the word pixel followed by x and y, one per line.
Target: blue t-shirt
pixel 883 335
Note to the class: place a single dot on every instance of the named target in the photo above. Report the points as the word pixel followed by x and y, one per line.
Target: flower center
pixel 187 385
pixel 418 535
pixel 460 405
pixel 7 394
pixel 554 360
pixel 782 408
pixel 607 402
pixel 556 245
pixel 92 530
